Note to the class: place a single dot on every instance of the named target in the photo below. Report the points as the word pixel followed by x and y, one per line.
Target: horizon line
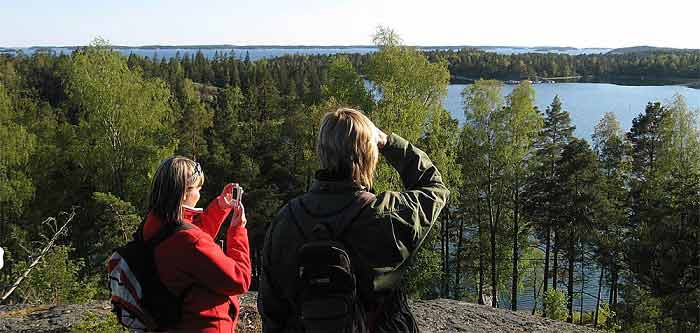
pixel 253 46
pixel 341 46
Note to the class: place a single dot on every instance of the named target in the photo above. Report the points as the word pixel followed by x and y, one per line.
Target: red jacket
pixel 191 257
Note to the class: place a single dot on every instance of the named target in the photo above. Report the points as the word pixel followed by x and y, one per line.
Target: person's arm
pixel 214 215
pixel 238 248
pixel 413 211
pixel 227 274
pixel 273 308
pixel 217 271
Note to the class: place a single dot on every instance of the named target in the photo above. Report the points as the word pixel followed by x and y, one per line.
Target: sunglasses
pixel 197 172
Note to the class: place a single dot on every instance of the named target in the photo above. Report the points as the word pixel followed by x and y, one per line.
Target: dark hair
pixel 172 179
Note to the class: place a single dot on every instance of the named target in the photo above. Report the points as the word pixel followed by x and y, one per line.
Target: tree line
pixel 530 202
pixel 632 67
pixel 468 65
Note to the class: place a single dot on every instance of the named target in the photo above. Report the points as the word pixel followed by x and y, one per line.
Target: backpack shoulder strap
pixel 292 208
pixel 362 201
pixel 167 231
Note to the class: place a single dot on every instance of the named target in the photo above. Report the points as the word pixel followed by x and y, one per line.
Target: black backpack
pixel 327 284
pixel 139 299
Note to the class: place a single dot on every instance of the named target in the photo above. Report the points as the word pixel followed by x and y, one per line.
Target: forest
pixel 660 67
pixel 530 203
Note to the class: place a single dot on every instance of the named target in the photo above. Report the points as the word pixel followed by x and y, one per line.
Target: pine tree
pixel 542 186
pixel 577 178
pixel 194 120
pixel 663 250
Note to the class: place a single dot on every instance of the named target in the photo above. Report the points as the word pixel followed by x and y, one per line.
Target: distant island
pixel 648 49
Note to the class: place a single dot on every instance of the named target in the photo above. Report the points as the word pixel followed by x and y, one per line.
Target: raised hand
pixel 239 219
pixel 379 137
pixel 225 200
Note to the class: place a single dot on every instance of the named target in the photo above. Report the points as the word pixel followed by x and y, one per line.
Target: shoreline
pixel 690 83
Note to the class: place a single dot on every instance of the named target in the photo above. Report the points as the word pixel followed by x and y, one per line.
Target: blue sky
pixel 592 23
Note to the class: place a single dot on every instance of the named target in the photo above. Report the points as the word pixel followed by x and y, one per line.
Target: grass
pixel 24 312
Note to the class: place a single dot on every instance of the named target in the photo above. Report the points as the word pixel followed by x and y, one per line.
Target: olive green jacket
pixel 382 238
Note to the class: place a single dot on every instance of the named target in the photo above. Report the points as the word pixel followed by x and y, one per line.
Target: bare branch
pixel 41 255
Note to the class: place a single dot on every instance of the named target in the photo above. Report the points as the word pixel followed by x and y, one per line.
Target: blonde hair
pixel 346 145
pixel 174 177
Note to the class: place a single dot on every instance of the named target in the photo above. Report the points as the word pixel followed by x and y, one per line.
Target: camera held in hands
pixel 236 194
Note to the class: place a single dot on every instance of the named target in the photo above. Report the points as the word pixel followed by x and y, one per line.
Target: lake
pixel 587 102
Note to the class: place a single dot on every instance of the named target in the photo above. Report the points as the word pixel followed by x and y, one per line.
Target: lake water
pixel 587 102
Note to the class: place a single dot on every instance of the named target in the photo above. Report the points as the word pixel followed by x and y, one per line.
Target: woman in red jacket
pixel 190 263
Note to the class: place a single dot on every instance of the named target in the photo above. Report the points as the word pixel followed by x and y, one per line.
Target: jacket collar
pixel 328 182
pixel 188 213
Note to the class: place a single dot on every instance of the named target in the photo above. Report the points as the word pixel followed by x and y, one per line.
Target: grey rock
pixel 439 315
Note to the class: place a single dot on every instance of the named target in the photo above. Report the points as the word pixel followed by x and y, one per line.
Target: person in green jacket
pixel 382 237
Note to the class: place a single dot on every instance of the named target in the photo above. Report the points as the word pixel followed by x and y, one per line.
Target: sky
pixel 591 23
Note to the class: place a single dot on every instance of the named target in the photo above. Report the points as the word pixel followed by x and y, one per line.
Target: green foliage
pixel 407 103
pixel 113 223
pixel 606 319
pixel 653 67
pixel 346 86
pixel 425 271
pixel 555 304
pixel 406 98
pixel 194 119
pixel 641 312
pixel 95 322
pixel 497 145
pixel 124 120
pixel 610 148
pixel 18 144
pixel 663 251
pixel 89 128
pixel 55 279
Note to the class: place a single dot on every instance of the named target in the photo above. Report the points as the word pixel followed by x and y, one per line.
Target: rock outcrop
pixel 441 315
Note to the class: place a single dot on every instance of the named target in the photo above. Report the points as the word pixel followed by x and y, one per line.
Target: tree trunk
pixel 481 264
pixel 545 282
pixel 514 289
pixel 492 232
pixel 613 284
pixel 534 289
pixel 444 258
pixel 494 279
pixel 555 268
pixel 583 285
pixel 597 302
pixel 458 270
pixel 570 287
pixel 614 303
pixel 610 290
